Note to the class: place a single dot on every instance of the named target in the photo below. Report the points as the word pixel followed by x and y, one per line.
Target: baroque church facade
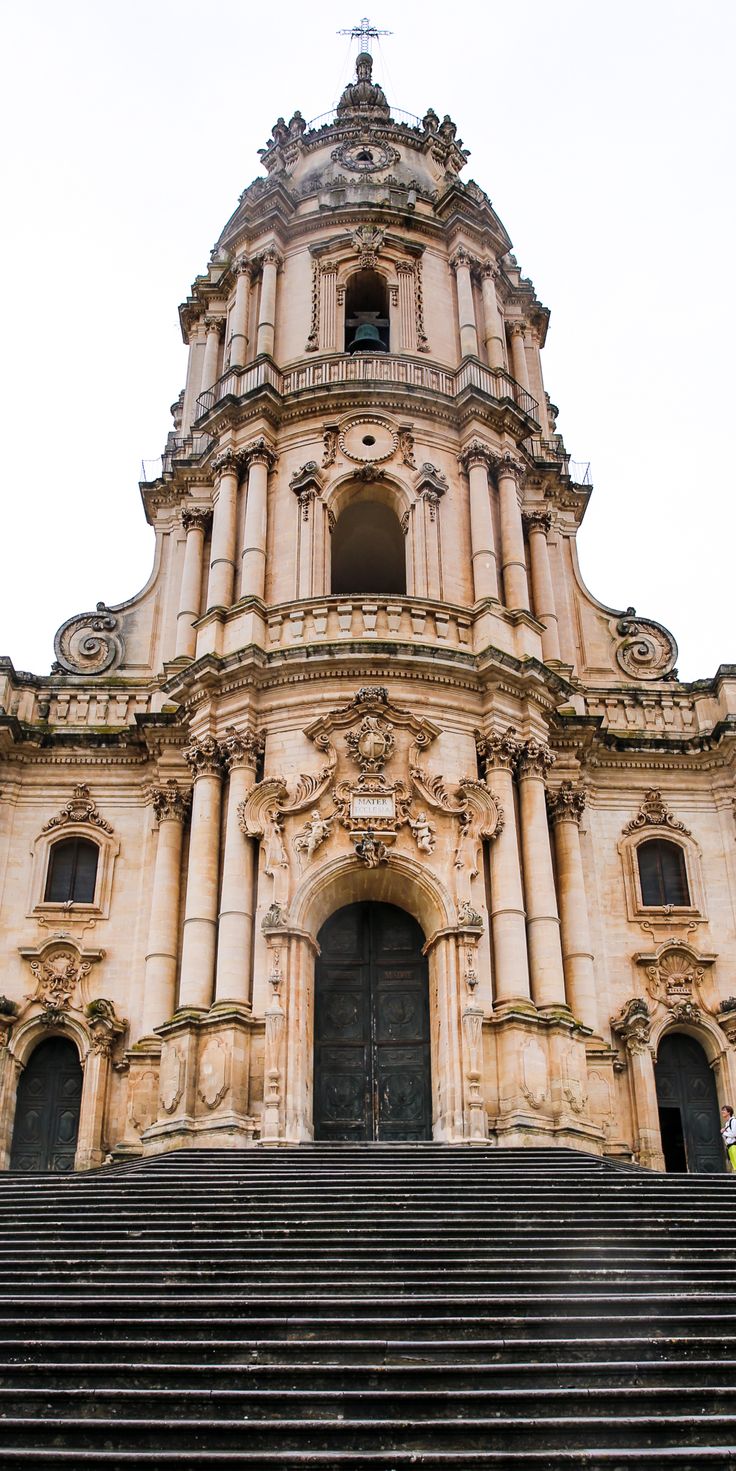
pixel 365 819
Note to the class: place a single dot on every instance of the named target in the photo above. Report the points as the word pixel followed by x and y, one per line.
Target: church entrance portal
pixel 688 1107
pixel 371 1064
pixel 47 1110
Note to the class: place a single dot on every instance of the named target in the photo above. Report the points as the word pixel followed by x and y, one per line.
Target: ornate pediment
pixel 676 977
pixel 81 807
pixel 654 812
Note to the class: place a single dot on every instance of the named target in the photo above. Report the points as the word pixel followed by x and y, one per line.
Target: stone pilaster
pixel 195 523
pixel 226 469
pixel 566 807
pixel 476 460
pixel 259 458
pixel 538 524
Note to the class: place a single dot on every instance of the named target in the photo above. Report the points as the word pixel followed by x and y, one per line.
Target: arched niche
pixel 368 546
pixel 367 308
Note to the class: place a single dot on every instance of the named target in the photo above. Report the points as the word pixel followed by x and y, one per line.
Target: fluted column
pixel 220 589
pixel 475 460
pixel 520 372
pixel 493 320
pixel 200 915
pixel 195 523
pixel 513 560
pixel 240 751
pixel 211 363
pixel 508 917
pixel 461 264
pixel 538 524
pixel 543 924
pixel 171 806
pixel 565 810
pixel 239 317
pixel 270 264
pixel 259 458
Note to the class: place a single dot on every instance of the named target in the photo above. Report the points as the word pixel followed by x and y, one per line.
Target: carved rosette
pixel 646 650
pixel 241 747
pixel 535 759
pixel 89 643
pixel 567 804
pixel 634 1025
pixel 170 803
pixel 81 807
pixel 203 756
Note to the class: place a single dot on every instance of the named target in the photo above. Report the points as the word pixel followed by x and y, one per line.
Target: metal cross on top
pixel 364 32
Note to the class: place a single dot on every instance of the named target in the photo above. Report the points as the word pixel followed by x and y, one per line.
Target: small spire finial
pixel 364 32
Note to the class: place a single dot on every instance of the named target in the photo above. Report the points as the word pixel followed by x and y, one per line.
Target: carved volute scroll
pixel 645 650
pixel 654 812
pixel 634 1025
pixel 81 807
pixel 89 643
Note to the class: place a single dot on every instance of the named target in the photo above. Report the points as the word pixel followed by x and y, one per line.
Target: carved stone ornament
pixel 196 518
pixel 172 1077
pixel 370 850
pixel 367 241
pixel 89 643
pixel 498 749
pixel 535 759
pixel 58 976
pixel 213 1072
pixel 646 649
pixel 634 1024
pixel 170 803
pixel 468 917
pixel 567 804
pixel 314 833
pixel 203 756
pixel 330 440
pixel 372 744
pixel 259 452
pixel 274 918
pixel 61 972
pixel 476 453
pixel 226 463
pixel 367 440
pixel 241 747
pixel 676 974
pixel 654 812
pixel 371 693
pixel 80 808
pixel 431 480
pixel 306 478
pixel 365 156
pixel 425 835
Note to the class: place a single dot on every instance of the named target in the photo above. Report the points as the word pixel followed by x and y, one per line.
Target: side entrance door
pixel 371 1063
pixel 47 1109
pixel 688 1107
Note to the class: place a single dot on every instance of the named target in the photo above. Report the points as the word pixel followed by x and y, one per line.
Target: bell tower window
pixel 366 313
pixel 368 550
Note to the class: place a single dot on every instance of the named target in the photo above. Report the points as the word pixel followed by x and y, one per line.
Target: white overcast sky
pixel 604 135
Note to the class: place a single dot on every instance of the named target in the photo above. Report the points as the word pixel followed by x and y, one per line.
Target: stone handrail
pixel 397 619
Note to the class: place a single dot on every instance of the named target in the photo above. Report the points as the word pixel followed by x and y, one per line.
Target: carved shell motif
pixel 89 643
pixel 646 649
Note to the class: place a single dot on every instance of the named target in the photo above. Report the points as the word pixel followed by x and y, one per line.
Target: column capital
pixel 507 465
pixel 535 759
pixel 634 1025
pixel 241 747
pixel 203 756
pixel 260 452
pixel 517 327
pixel 476 453
pixel 196 518
pixel 215 324
pixel 461 256
pixel 170 802
pixel 567 804
pixel 537 521
pixel 242 266
pixel 498 750
pixel 489 270
pixel 271 256
pixel 226 463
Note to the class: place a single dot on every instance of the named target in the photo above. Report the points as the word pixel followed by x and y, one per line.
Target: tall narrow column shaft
pixel 565 810
pixel 159 987
pixel 493 321
pixel 543 924
pixel 224 530
pixel 461 263
pixel 475 461
pixel 200 915
pixel 518 354
pixel 538 524
pixel 259 459
pixel 515 585
pixel 195 523
pixel 270 262
pixel 211 352
pixel 235 923
pixel 508 917
pixel 239 317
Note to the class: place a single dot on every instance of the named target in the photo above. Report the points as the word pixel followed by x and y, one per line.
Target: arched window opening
pixel 366 313
pixel 368 551
pixel 72 872
pixel 662 873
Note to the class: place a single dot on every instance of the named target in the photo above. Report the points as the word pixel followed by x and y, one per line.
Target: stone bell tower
pixel 367 754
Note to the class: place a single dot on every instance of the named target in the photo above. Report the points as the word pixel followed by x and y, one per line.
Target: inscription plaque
pixel 372 806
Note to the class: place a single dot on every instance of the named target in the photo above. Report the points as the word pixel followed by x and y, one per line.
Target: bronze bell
pixel 367 339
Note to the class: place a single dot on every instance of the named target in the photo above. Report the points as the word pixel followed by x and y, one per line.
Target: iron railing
pixel 178 448
pixel 553 452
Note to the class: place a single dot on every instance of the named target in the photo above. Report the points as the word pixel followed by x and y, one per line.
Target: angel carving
pixel 312 835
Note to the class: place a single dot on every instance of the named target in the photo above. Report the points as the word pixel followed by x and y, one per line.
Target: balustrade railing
pixel 399 619
pixel 178 448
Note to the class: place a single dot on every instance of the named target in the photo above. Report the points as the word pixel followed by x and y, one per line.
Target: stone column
pixel 475 460
pixel 566 809
pixel 194 377
pixel 461 264
pixel 211 352
pixel 519 368
pixel 508 917
pixel 270 264
pixel 259 458
pixel 493 319
pixel 171 807
pixel 240 751
pixel 195 523
pixel 239 319
pixel 515 586
pixel 543 924
pixel 226 468
pixel 536 381
pixel 633 1023
pixel 200 915
pixel 538 524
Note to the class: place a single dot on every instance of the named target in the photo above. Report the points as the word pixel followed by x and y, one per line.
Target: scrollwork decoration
pixel 647 650
pixel 89 643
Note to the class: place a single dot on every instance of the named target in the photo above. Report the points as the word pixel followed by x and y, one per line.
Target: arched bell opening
pixel 687 1103
pixel 368 550
pixel 366 313
pixel 48 1109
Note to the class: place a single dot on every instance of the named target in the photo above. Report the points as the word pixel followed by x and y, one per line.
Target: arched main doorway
pixel 47 1109
pixel 371 1027
pixel 688 1107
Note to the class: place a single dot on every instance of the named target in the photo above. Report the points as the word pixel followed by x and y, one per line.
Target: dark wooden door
pixel 371 1027
pixel 47 1109
pixel 685 1082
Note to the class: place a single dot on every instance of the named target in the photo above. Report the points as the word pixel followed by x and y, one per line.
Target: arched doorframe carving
pixel 292 944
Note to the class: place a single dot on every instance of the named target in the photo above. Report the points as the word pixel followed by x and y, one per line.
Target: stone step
pixel 638 1459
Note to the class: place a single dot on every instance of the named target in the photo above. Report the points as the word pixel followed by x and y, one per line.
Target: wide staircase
pixel 368 1306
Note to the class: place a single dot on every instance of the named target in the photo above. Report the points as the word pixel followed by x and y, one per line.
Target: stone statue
pixel 424 833
pixel 312 835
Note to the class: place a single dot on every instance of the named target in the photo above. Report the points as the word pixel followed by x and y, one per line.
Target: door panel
pixel 685 1082
pixel 372 1072
pixel 47 1109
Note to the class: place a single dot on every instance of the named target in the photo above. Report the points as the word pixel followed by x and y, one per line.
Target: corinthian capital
pixel 462 257
pixel 260 452
pixel 517 327
pixel 214 324
pixel 535 759
pixel 241 747
pixel 567 804
pixel 272 257
pixel 507 465
pixel 489 269
pixel 170 803
pixel 226 463
pixel 498 750
pixel 196 518
pixel 203 756
pixel 476 453
pixel 242 266
pixel 538 521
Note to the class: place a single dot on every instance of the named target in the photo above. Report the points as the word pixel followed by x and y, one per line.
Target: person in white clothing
pixel 728 1133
